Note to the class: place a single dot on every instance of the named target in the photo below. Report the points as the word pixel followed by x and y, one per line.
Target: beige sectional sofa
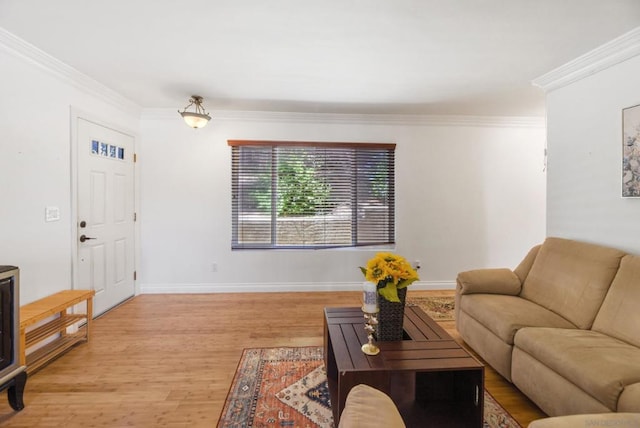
pixel 564 326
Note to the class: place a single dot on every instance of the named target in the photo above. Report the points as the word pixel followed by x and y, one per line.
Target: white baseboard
pixel 275 288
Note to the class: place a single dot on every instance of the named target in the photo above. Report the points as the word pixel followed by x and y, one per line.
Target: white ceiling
pixel 340 56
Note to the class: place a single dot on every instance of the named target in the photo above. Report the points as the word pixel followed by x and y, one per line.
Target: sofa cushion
pixel 571 278
pixel 598 364
pixel 523 269
pixel 554 394
pixel 619 315
pixel 504 315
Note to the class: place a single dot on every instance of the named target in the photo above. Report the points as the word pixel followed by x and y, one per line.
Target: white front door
pixel 105 216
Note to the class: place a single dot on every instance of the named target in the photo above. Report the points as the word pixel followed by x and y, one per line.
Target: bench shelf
pixel 55 329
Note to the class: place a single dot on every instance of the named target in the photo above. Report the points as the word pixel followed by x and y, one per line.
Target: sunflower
pixel 390 272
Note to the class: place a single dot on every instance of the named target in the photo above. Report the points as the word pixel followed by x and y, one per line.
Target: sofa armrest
pixel 367 407
pixel 490 281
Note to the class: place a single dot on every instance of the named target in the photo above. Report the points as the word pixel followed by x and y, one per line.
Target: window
pixel 312 195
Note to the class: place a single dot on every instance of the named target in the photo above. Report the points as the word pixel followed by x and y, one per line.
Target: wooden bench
pixel 55 329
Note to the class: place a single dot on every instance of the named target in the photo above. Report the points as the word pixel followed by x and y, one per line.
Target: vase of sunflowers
pixel 392 274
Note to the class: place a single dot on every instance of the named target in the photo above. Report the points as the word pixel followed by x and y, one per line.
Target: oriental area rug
pixel 439 308
pixel 287 387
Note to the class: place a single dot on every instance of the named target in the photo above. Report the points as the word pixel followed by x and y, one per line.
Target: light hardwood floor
pixel 168 360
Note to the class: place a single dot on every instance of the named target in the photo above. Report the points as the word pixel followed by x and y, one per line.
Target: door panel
pixel 120 260
pixel 98 195
pixel 120 202
pixel 97 262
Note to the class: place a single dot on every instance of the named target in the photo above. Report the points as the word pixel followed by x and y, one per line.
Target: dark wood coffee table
pixel 432 380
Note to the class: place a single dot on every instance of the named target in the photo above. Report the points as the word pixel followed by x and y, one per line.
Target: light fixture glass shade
pixel 195 120
pixel 198 118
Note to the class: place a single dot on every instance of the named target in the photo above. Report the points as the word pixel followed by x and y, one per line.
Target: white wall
pixel 36 95
pixel 585 158
pixel 470 192
pixel 469 195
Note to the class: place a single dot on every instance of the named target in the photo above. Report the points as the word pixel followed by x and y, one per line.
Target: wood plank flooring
pixel 168 360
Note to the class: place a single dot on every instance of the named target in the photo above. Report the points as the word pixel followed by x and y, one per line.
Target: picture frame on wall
pixel 631 152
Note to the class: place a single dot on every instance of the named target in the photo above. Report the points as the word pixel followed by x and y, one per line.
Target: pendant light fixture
pixel 198 118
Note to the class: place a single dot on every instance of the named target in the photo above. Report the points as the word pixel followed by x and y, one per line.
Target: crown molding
pixel 357 119
pixel 27 52
pixel 611 53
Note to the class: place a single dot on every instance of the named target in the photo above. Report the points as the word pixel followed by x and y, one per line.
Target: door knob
pixel 85 238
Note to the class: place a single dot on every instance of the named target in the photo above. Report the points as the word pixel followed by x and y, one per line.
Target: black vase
pixel 391 318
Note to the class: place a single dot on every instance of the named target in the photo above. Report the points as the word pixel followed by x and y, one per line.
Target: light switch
pixel 51 214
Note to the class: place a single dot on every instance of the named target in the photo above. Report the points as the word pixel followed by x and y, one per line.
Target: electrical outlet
pixel 214 267
pixel 416 264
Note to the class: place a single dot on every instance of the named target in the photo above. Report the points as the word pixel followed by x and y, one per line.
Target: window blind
pixel 312 195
